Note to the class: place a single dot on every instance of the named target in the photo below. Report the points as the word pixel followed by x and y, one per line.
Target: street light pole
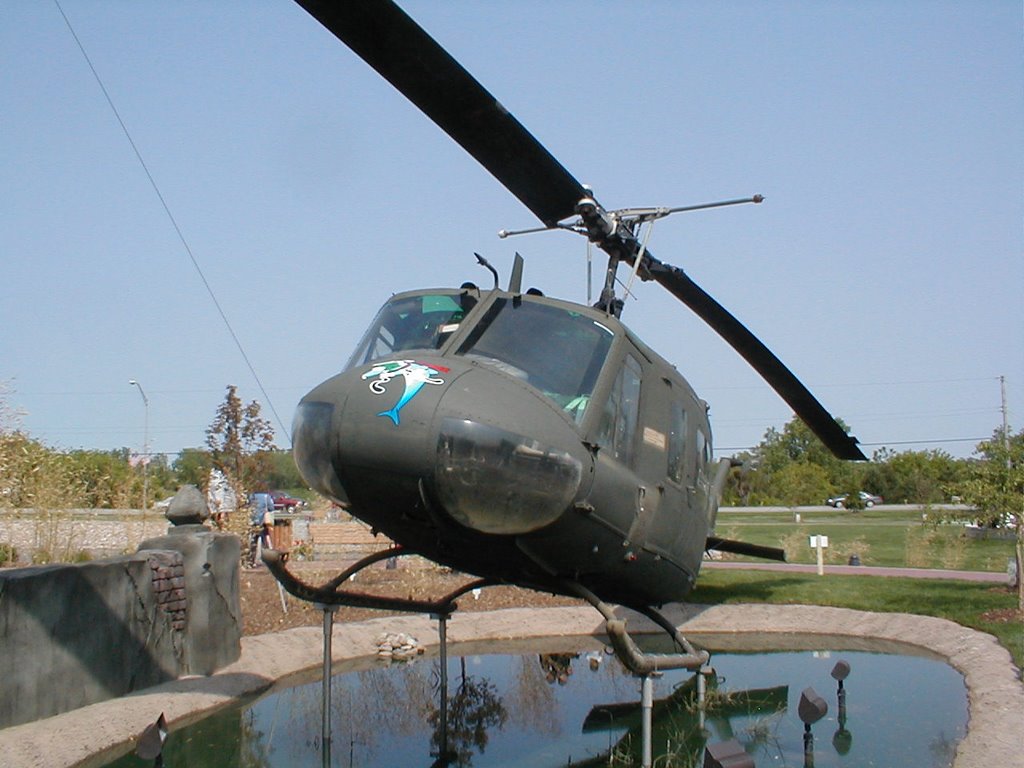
pixel 145 446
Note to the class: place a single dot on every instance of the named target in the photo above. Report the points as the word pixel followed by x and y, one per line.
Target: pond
pixel 576 706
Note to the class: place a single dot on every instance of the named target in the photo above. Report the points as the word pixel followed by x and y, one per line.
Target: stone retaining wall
pixel 74 635
pixel 65 534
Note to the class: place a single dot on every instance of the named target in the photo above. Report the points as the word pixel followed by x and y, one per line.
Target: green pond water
pixel 581 708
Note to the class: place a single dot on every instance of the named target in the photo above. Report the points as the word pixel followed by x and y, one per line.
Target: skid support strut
pixel 627 651
pixel 330 593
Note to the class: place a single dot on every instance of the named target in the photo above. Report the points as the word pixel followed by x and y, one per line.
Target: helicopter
pixel 521 438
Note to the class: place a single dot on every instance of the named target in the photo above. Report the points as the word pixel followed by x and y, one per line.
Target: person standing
pixel 262 523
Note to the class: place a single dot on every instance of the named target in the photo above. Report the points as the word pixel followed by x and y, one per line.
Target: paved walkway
pixel 90 736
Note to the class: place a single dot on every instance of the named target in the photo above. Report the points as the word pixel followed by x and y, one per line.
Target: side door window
pixel 677 442
pixel 622 413
pixel 703 453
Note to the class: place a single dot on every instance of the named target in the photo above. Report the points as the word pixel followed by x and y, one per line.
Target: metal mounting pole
pixel 702 697
pixel 647 711
pixel 325 728
pixel 442 631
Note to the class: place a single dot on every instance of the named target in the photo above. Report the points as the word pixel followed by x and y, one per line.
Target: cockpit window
pixel 412 322
pixel 556 350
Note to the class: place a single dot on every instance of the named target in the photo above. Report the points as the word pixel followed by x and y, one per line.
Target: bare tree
pixel 239 440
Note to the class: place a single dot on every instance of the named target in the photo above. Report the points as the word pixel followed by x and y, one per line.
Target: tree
pixel 802 483
pixel 35 476
pixel 913 477
pixel 192 467
pixel 995 488
pixel 239 440
pixel 791 467
pixel 776 472
pixel 32 474
pixel 282 472
pixel 796 444
pixel 471 711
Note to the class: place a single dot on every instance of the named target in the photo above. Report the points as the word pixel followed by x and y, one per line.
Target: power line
pixel 929 442
pixel 174 223
pixel 849 384
pixel 881 444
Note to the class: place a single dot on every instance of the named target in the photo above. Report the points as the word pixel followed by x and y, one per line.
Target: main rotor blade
pixel 762 359
pixel 402 52
pixel 384 36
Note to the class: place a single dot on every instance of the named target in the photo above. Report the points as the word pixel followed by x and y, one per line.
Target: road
pixel 825 508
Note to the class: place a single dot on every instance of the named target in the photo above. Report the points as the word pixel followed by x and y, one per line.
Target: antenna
pixel 484 263
pixel 515 282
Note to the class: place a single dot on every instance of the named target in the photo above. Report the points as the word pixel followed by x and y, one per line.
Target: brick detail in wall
pixel 168 573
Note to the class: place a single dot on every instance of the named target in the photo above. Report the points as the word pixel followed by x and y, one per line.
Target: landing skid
pixel 331 595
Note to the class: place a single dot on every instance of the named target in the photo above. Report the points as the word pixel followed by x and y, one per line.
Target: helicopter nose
pixel 364 437
pixel 311 447
pixel 442 442
pixel 497 481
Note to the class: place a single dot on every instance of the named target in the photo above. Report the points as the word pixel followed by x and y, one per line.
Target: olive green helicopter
pixel 516 437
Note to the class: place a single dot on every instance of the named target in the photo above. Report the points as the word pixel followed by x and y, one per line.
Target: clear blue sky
pixel 885 267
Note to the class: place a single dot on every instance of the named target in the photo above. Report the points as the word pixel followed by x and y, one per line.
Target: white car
pixel 867 499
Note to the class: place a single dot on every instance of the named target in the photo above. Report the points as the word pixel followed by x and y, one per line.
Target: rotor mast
pixel 617 234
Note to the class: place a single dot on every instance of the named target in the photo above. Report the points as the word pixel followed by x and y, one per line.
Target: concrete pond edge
pixel 93 735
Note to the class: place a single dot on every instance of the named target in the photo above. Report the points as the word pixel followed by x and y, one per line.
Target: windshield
pixel 422 321
pixel 556 350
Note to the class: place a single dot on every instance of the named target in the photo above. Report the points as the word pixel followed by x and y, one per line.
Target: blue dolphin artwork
pixel 414 374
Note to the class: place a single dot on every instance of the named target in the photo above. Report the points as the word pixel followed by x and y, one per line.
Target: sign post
pixel 819 543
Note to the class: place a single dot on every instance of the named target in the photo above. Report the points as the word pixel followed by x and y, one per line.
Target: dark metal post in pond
pixel 811 709
pixel 325 729
pixel 842 739
pixel 442 631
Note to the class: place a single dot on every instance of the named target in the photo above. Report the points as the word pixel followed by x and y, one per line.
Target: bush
pixel 8 554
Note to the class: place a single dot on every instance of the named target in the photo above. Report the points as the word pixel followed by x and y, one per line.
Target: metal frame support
pixel 325 684
pixel 330 593
pixel 627 651
pixel 442 632
pixel 647 714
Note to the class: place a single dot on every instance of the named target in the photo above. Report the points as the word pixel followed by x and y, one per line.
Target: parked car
pixel 283 501
pixel 867 499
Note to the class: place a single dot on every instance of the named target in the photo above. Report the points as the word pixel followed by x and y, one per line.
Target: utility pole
pixel 1006 425
pixel 145 446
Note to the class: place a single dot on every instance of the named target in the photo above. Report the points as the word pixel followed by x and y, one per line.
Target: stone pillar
pixel 213 616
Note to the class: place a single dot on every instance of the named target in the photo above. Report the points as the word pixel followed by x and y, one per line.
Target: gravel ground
pixel 262 609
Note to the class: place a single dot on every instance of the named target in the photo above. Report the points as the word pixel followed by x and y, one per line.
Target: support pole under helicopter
pixel 442 631
pixel 647 715
pixel 325 685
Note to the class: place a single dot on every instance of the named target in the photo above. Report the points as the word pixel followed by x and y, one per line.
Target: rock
pixel 188 507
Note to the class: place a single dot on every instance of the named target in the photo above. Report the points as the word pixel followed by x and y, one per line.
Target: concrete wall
pixel 66 532
pixel 72 635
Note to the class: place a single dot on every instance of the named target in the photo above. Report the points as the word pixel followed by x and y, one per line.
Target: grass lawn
pixel 984 607
pixel 899 538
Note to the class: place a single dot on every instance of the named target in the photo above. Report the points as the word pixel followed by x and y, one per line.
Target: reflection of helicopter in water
pixel 687 718
pixel 521 438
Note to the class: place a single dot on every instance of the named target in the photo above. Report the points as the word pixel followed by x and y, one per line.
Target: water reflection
pixel 578 707
pixel 460 729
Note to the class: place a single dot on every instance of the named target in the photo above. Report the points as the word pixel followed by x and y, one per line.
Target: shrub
pixel 8 554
